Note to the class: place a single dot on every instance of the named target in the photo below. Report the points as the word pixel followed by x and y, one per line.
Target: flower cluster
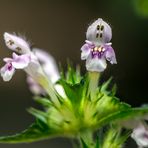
pixel 34 61
pixel 75 106
pixel 21 61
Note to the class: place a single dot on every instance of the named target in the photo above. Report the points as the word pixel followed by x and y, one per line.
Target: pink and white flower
pixel 16 62
pixel 41 68
pixel 97 48
pixel 140 135
pixel 50 69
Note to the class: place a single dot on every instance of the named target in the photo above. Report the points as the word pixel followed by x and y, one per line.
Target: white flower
pixel 16 62
pixel 50 68
pixel 97 48
pixel 140 135
pixel 48 64
pixel 7 71
pixel 40 66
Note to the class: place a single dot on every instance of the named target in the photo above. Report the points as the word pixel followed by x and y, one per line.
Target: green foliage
pixel 73 91
pixel 43 101
pixel 37 131
pixel 72 76
pixel 141 6
pixel 80 114
pixel 97 143
pixel 114 138
pixel 42 116
pixel 84 145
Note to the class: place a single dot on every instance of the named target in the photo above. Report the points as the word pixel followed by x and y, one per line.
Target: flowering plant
pixel 75 106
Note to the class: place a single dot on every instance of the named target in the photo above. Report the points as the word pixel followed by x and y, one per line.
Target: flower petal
pixel 7 72
pixel 20 62
pixel 43 56
pixel 48 64
pixel 99 32
pixel 96 64
pixel 110 55
pixel 16 43
pixel 85 51
pixel 7 60
pixel 34 68
pixel 140 135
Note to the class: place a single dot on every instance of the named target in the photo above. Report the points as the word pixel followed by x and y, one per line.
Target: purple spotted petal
pixel 16 43
pixel 99 32
pixel 7 71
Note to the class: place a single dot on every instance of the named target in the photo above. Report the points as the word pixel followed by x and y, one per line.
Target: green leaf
pixel 84 145
pixel 106 84
pixel 122 115
pixel 105 87
pixel 107 105
pixel 125 136
pixel 72 76
pixel 73 92
pixel 114 89
pixel 97 142
pixel 37 131
pixel 43 101
pixel 39 115
pixel 115 138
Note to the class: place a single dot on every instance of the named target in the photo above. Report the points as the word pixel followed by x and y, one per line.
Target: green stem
pixel 93 83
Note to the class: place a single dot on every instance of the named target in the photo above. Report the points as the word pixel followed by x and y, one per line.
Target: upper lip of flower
pixel 16 43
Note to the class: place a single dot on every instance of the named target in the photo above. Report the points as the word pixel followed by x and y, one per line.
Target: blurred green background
pixel 59 27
